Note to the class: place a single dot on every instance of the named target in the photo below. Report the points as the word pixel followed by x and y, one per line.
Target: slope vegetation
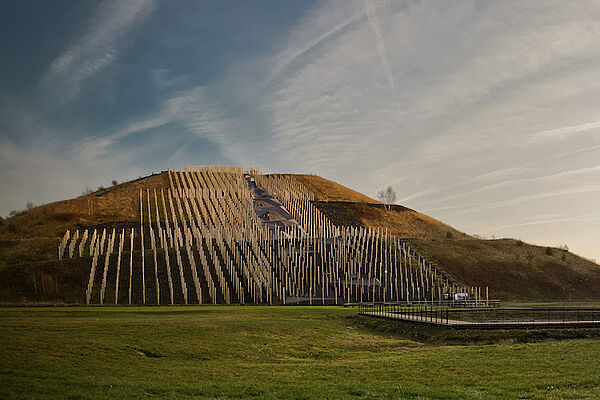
pixel 326 190
pixel 511 269
pixel 33 235
pixel 515 270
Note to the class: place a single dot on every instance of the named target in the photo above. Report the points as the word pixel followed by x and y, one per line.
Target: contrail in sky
pixel 584 218
pixel 298 53
pixel 380 44
pixel 563 132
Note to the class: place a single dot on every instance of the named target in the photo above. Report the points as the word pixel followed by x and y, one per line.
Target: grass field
pixel 268 352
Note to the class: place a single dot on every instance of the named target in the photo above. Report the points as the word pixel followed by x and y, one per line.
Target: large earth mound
pixel 511 269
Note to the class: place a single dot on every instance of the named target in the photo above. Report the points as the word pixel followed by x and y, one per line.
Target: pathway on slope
pixel 270 211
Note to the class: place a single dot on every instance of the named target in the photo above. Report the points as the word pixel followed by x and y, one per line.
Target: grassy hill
pixel 511 269
pixel 33 235
pixel 515 270
pixel 326 190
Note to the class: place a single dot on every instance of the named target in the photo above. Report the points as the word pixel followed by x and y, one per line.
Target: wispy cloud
pixel 501 173
pixel 528 198
pixel 562 176
pixel 44 173
pixel 380 44
pixel 477 179
pixel 565 132
pixel 317 34
pixel 544 221
pixel 162 79
pixel 194 110
pixel 96 49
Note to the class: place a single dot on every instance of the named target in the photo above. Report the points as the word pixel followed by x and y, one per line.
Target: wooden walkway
pixel 453 323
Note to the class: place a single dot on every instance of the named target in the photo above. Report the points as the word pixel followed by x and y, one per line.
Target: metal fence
pixel 528 314
pixel 485 317
pixel 424 313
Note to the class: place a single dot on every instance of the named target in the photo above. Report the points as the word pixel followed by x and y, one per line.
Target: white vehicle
pixel 461 296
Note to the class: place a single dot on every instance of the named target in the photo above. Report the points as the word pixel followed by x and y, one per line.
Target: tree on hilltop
pixel 88 194
pixel 387 196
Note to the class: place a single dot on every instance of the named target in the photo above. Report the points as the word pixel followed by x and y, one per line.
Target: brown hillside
pixel 34 235
pixel 326 190
pixel 398 220
pixel 515 270
pixel 512 270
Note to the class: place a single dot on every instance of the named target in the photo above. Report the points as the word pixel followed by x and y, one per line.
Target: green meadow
pixel 270 353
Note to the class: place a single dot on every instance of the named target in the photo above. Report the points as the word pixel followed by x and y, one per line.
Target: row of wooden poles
pixel 206 219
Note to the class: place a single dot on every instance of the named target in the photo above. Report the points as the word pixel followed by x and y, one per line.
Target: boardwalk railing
pixel 436 303
pixel 423 313
pixel 486 317
pixel 468 304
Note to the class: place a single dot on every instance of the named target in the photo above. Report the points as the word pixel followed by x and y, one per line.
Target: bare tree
pixel 387 196
pixel 89 197
pixel 29 205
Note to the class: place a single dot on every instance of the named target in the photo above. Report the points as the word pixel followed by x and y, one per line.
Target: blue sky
pixel 482 114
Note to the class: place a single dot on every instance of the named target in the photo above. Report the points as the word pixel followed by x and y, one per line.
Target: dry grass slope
pixel 511 269
pixel 515 271
pixel 398 220
pixel 34 235
pixel 326 190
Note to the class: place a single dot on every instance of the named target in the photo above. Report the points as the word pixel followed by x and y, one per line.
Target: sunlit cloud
pixel 96 49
